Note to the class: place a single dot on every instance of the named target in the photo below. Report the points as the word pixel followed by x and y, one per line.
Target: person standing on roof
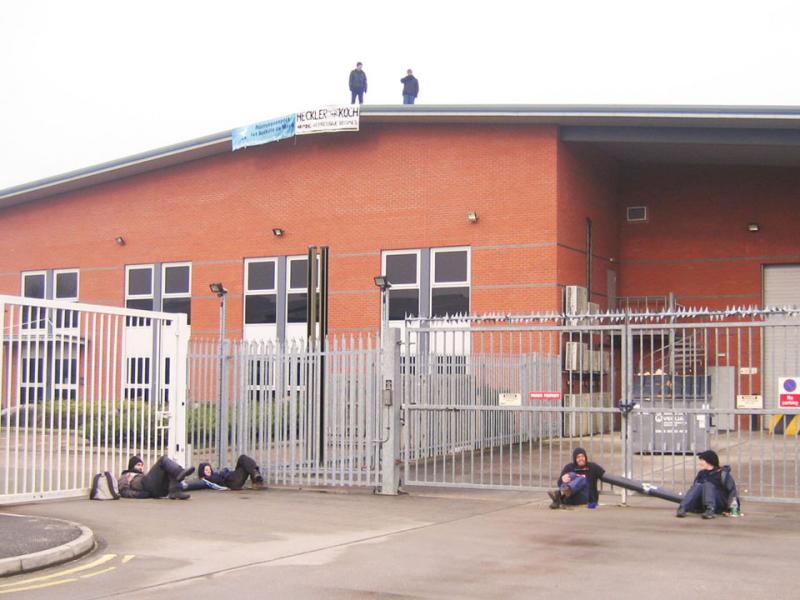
pixel 358 84
pixel 577 483
pixel 410 87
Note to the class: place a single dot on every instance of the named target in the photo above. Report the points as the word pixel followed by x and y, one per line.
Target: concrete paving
pixel 426 544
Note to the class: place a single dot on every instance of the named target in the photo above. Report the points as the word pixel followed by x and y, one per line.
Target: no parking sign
pixel 788 392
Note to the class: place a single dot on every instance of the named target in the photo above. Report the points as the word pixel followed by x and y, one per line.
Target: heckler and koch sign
pixel 327 119
pixel 324 119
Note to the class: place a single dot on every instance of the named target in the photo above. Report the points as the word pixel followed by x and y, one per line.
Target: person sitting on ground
pixel 577 483
pixel 163 479
pixel 232 479
pixel 713 490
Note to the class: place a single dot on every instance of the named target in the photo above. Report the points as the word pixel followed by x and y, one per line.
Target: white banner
pixel 326 119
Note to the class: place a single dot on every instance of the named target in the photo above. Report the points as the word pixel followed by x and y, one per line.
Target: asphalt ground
pixel 430 543
pixel 25 534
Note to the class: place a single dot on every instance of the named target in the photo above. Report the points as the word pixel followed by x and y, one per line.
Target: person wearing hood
pixel 577 483
pixel 713 490
pixel 163 479
pixel 232 478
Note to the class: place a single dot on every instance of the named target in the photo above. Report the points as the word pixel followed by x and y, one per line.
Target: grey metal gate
pixel 500 402
pixel 308 416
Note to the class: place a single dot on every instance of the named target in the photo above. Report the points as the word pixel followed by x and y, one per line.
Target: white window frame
pixel 151 295
pixel 172 295
pixel 260 292
pixel 164 294
pixel 405 286
pixel 70 315
pixel 25 274
pixel 451 284
pixel 56 273
pixel 290 290
pixel 40 321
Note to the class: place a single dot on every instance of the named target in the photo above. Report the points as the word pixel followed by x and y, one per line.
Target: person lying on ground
pixel 163 479
pixel 713 490
pixel 577 483
pixel 233 479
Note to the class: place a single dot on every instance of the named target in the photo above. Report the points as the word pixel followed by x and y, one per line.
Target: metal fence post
pixel 626 402
pixel 390 401
pixel 177 430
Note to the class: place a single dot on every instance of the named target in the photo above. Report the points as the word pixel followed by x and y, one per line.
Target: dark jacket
pixel 215 477
pixel 722 480
pixel 130 482
pixel 410 86
pixel 222 477
pixel 358 81
pixel 592 471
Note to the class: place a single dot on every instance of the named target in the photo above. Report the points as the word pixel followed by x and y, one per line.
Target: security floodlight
pixel 382 282
pixel 753 227
pixel 472 216
pixel 277 231
pixel 218 289
pixel 120 240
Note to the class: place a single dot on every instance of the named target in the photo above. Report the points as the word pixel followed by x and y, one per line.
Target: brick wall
pixel 696 242
pixel 587 189
pixel 385 187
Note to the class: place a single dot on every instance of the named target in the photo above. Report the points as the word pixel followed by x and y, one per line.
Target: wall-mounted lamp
pixel 120 240
pixel 277 231
pixel 218 289
pixel 753 227
pixel 472 216
pixel 382 282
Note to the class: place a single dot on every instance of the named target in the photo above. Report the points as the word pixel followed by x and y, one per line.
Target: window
pixel 138 292
pixel 31 387
pixel 450 282
pixel 176 296
pixel 34 285
pixel 297 290
pixel 139 287
pixel 260 295
pixel 66 288
pixel 401 268
pixel 66 285
pixel 65 378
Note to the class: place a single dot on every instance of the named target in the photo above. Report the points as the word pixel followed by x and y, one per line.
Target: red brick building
pixel 629 201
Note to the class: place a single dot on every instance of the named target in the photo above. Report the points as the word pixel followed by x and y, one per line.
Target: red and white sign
pixel 788 392
pixel 544 396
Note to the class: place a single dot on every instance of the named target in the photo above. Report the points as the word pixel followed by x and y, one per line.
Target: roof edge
pixel 570 114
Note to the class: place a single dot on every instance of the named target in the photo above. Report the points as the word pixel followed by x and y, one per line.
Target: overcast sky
pixel 83 82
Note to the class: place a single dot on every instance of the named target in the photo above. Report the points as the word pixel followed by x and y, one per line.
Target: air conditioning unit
pixel 600 361
pixel 576 356
pixel 593 308
pixel 575 300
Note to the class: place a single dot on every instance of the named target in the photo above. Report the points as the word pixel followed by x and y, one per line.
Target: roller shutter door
pixel 781 344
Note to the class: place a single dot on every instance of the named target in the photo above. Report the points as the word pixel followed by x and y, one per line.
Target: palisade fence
pixel 500 402
pixel 495 402
pixel 82 388
pixel 309 416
